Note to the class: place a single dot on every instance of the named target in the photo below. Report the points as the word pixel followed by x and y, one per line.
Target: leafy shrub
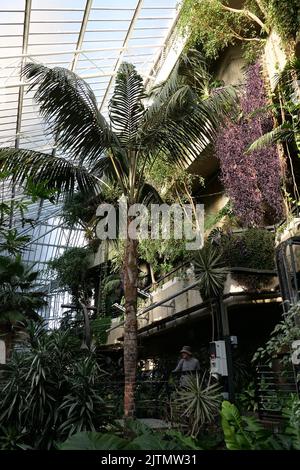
pixel 285 16
pixel 50 390
pixel 286 331
pixel 253 248
pixel 247 433
pixel 71 269
pixel 163 255
pixel 141 438
pixel 211 27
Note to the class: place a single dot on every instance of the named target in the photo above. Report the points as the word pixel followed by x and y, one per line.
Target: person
pixel 187 364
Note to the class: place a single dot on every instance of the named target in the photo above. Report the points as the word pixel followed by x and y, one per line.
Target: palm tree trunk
pixel 130 332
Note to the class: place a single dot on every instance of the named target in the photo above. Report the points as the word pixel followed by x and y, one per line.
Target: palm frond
pixel 288 75
pixel 68 105
pixel 282 133
pixel 60 174
pixel 190 75
pixel 182 120
pixel 148 194
pixel 126 108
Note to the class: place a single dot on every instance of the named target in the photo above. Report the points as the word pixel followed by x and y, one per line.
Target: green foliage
pixel 80 208
pixel 11 439
pixel 252 248
pixel 291 413
pixel 244 433
pixel 284 333
pixel 197 403
pixel 163 255
pixel 94 441
pixel 141 438
pixel 210 271
pixel 20 297
pixel 211 27
pixel 99 327
pixel 71 269
pixel 39 190
pixel 12 242
pixel 247 433
pixel 51 389
pixel 246 400
pixel 286 108
pixel 213 219
pixel 284 15
pixel 174 184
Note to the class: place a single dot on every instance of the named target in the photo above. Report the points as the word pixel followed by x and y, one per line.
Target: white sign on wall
pixel 2 352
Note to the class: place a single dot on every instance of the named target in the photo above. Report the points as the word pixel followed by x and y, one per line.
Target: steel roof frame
pixel 25 121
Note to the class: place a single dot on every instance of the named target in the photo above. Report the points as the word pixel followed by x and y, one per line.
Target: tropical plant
pixel 20 295
pixel 76 260
pixel 291 413
pixel 246 399
pixel 141 438
pixel 284 333
pixel 210 271
pixel 247 433
pixel 12 242
pixel 244 432
pixel 163 255
pixel 178 121
pixel 287 83
pixel 51 389
pixel 197 403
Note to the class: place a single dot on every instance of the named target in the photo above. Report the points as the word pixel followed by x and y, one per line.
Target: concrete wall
pixel 231 67
pixel 274 57
pixel 180 303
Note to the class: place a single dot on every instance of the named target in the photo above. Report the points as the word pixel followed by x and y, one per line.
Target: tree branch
pixel 238 36
pixel 262 8
pixel 249 15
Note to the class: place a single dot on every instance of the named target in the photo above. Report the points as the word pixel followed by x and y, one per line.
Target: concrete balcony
pixel 179 297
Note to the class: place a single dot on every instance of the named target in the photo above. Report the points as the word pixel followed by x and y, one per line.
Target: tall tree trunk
pixel 130 333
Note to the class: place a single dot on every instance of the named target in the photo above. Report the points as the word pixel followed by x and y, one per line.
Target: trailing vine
pixel 251 179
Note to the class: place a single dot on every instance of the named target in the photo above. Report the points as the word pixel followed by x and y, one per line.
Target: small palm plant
pixel 211 272
pixel 197 403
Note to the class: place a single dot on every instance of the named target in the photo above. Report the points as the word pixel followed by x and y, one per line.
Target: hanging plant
pixel 252 179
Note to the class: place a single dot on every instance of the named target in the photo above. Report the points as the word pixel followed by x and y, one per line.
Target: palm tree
pixel 177 120
pixel 20 298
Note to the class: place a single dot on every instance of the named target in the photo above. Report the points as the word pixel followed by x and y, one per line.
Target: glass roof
pixel 91 38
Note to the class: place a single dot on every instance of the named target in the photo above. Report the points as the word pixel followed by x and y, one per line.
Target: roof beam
pixel 85 20
pixel 83 51
pixel 121 53
pixel 24 52
pixel 20 97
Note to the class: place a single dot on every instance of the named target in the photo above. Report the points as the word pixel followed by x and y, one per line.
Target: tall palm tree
pixel 177 120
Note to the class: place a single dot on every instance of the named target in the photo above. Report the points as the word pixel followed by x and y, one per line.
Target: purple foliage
pixel 251 180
